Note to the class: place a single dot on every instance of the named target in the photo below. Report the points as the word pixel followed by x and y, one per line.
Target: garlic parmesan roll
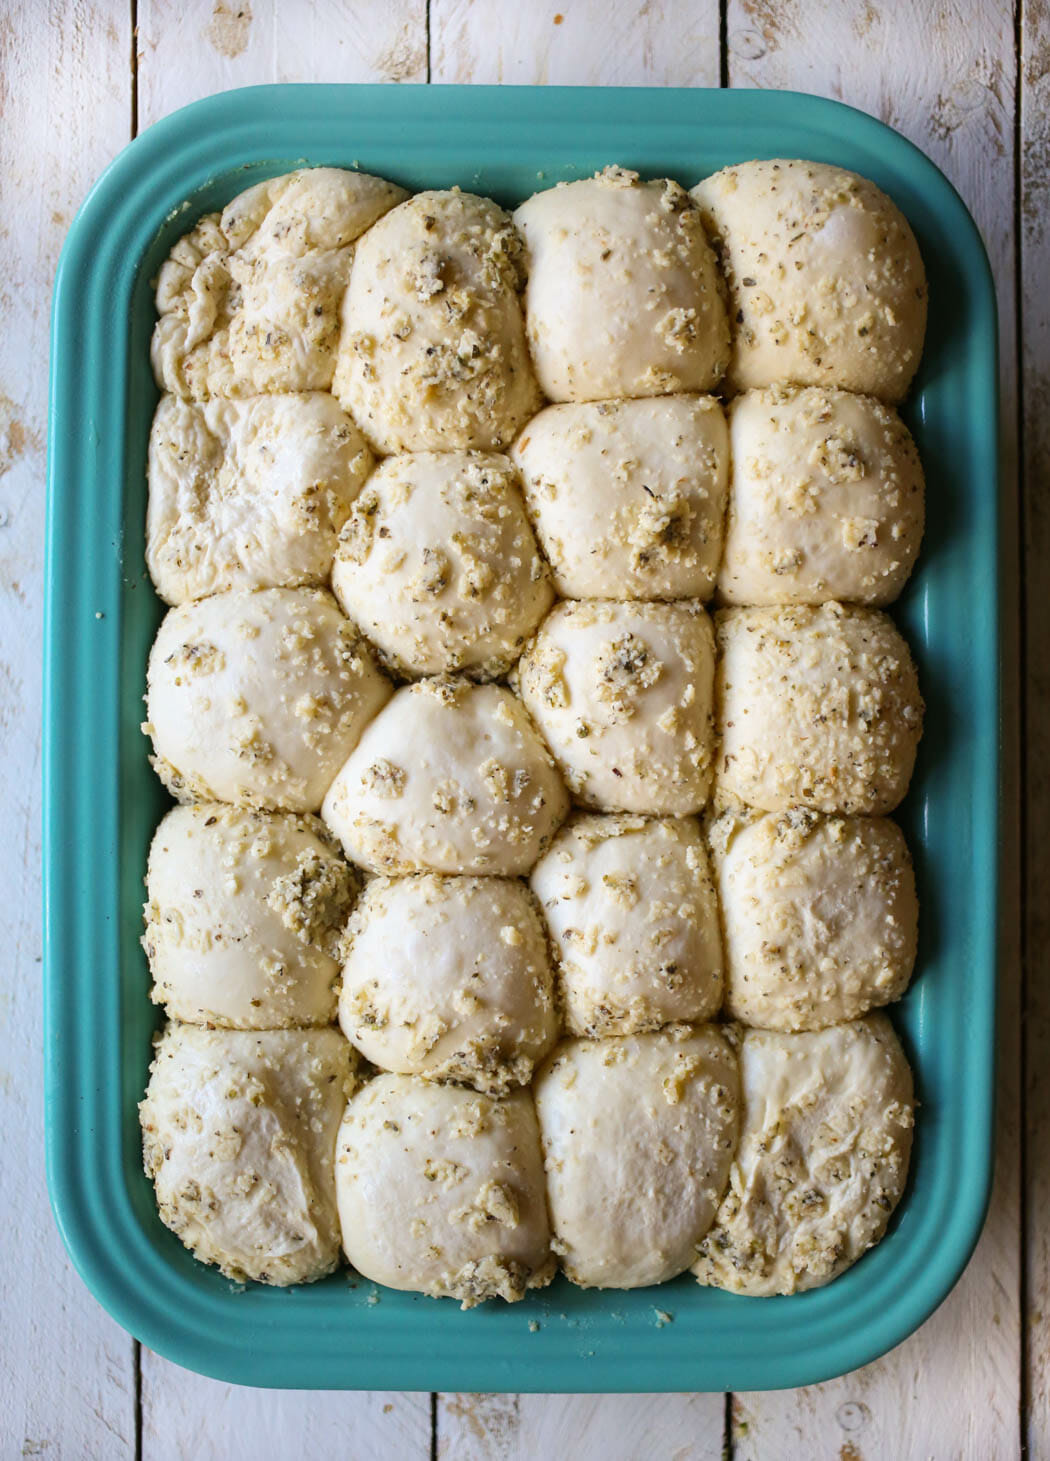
pixel 825 1140
pixel 819 913
pixel 631 910
pixel 438 565
pixel 624 296
pixel 628 496
pixel 245 914
pixel 449 978
pixel 622 694
pixel 825 499
pixel 826 283
pixel 249 493
pixel 816 707
pixel 239 1131
pixel 638 1134
pixel 258 698
pixel 441 1191
pixel 249 300
pixel 432 355
pixel 450 778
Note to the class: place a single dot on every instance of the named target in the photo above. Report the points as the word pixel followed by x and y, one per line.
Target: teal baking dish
pixel 102 802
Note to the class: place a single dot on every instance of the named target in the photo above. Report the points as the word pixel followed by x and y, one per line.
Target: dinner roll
pixel 248 494
pixel 433 355
pixel 441 1190
pixel 817 707
pixel 449 978
pixel 638 1134
pixel 820 917
pixel 249 299
pixel 624 297
pixel 244 917
pixel 622 694
pixel 822 1161
pixel 449 778
pixel 825 499
pixel 632 914
pixel 628 496
pixel 826 284
pixel 239 1131
pixel 438 564
pixel 258 698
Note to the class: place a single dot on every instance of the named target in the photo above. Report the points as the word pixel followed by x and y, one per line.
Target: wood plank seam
pixel 1021 711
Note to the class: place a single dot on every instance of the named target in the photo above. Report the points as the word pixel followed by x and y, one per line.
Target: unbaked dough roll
pixel 624 297
pixel 449 978
pixel 819 913
pixel 816 707
pixel 825 499
pixel 432 355
pixel 822 1161
pixel 631 910
pixel 450 778
pixel 438 564
pixel 441 1191
pixel 622 694
pixel 245 916
pixel 826 283
pixel 249 494
pixel 239 1130
pixel 638 1135
pixel 628 496
pixel 258 698
pixel 249 300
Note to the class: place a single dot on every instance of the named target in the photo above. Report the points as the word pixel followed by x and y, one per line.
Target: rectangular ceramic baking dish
pixel 102 801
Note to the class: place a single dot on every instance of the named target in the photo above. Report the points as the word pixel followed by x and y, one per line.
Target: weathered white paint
pixel 1035 360
pixel 581 1427
pixel 188 1418
pixel 191 48
pixel 582 43
pixel 943 75
pixel 67 1374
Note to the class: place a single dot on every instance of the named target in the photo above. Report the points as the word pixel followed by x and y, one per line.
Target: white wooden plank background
pixel 966 80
